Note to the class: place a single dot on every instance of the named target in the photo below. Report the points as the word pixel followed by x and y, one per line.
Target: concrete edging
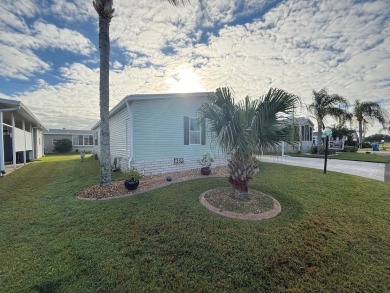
pixel 276 210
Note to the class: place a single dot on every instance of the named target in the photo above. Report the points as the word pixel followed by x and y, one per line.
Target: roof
pixel 69 132
pixel 303 120
pixel 20 110
pixel 148 97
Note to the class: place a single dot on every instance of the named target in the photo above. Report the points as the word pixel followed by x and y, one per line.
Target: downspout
pixel 130 125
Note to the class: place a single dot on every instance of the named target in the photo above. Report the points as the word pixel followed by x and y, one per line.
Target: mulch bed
pixel 147 183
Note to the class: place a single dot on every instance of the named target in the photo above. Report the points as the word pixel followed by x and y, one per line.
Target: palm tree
pixel 105 12
pixel 240 129
pixel 365 112
pixel 327 105
pixel 340 131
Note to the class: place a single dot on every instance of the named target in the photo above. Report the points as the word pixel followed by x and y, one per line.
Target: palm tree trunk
pixel 319 136
pixel 104 46
pixel 360 133
pixel 242 168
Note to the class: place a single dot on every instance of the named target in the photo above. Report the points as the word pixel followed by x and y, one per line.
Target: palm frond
pixel 270 122
pixel 333 105
pixel 370 111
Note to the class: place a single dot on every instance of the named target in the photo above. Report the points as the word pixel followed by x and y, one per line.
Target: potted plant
pixel 133 181
pixel 206 163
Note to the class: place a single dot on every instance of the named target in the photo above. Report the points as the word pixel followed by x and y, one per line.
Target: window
pixel 306 133
pixel 194 132
pixel 82 140
pixel 96 138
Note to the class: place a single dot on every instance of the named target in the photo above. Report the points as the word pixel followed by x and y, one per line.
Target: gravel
pixel 118 189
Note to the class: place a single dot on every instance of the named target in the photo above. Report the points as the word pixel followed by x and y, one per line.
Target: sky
pixel 49 53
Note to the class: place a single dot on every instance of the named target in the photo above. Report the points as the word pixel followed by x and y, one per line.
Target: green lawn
pixel 372 157
pixel 333 235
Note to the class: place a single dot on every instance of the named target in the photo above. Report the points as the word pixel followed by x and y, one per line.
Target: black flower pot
pixel 131 184
pixel 205 171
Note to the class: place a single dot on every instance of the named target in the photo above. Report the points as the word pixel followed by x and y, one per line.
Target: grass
pixel 333 235
pixel 372 157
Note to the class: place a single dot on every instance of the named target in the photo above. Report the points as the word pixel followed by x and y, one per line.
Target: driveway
pixel 364 169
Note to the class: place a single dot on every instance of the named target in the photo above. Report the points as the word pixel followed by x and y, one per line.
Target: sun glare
pixel 185 80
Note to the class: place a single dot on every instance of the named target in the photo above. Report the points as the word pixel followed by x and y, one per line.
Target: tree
pixel 324 105
pixel 377 138
pixel 105 12
pixel 240 129
pixel 341 131
pixel 63 145
pixel 365 112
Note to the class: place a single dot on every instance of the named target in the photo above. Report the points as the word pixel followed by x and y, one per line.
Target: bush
pixel 133 174
pixel 351 149
pixel 313 150
pixel 366 145
pixel 63 145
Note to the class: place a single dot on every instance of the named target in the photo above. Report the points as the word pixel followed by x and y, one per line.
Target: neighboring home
pixel 306 127
pixel 159 133
pixel 334 143
pixel 21 138
pixel 304 136
pixel 82 140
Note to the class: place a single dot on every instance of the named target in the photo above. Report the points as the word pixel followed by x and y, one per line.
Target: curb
pixel 387 172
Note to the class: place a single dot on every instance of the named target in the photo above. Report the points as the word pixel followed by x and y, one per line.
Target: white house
pixel 21 138
pixel 82 140
pixel 304 136
pixel 159 133
pixel 334 143
pixel 306 127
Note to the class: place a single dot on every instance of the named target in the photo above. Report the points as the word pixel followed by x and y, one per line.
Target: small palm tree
pixel 240 129
pixel 105 12
pixel 324 105
pixel 365 112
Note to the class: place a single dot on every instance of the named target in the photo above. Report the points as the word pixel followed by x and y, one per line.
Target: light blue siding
pixel 159 130
pixel 118 134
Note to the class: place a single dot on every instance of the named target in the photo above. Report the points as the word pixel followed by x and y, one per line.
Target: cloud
pixel 24 36
pixel 70 11
pixel 248 45
pixel 16 63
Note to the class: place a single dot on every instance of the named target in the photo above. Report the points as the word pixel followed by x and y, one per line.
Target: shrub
pixel 366 145
pixel 313 150
pixel 206 160
pixel 133 174
pixel 351 149
pixel 63 145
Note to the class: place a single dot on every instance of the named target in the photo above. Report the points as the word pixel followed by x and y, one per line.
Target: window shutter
pixel 203 132
pixel 186 130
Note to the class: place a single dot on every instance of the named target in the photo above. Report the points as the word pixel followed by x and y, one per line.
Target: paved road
pixel 364 169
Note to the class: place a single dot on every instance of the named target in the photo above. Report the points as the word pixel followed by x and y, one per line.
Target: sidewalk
pixel 364 169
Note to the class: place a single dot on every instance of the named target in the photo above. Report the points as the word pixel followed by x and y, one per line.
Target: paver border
pixel 276 210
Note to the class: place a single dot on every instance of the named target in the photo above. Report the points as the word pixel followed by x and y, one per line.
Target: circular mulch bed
pixel 261 205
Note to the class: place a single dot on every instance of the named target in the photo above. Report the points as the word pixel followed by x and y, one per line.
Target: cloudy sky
pixel 49 54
